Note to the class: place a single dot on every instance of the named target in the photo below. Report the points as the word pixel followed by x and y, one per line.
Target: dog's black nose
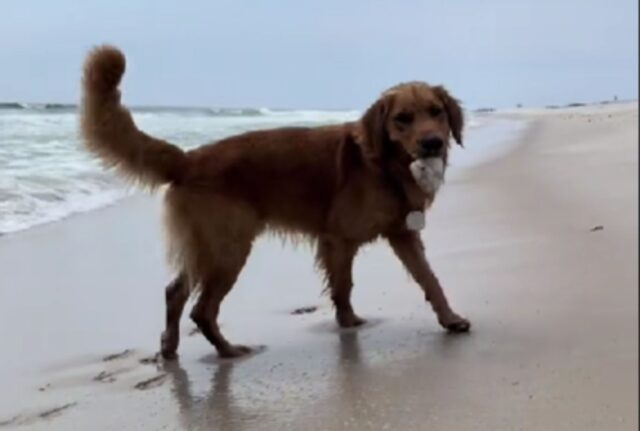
pixel 431 145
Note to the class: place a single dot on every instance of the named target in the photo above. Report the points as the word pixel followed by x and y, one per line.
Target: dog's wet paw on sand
pixel 459 327
pixel 350 321
pixel 455 324
pixel 217 358
pixel 236 351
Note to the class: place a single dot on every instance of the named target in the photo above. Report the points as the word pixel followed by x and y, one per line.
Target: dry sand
pixel 538 248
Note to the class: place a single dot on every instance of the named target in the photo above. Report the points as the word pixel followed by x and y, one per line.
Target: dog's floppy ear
pixel 372 134
pixel 454 113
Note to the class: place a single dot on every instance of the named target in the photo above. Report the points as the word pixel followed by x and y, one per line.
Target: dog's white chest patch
pixel 428 173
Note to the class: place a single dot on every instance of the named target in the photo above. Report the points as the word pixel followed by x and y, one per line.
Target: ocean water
pixel 45 174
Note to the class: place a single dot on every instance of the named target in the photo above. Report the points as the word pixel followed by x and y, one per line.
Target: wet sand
pixel 538 248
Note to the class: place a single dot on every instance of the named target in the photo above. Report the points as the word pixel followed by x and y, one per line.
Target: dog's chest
pixel 363 212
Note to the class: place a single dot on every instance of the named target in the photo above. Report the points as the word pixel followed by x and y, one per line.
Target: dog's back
pixel 289 176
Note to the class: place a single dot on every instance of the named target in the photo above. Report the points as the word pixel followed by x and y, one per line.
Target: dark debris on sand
pixel 123 354
pixel 304 310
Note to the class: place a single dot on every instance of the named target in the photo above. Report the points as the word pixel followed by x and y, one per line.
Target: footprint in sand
pixel 151 360
pixel 107 376
pixel 45 415
pixel 56 411
pixel 304 310
pixel 111 376
pixel 125 353
pixel 153 382
pixel 122 368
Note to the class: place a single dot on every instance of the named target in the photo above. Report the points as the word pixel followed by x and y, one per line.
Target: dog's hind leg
pixel 213 290
pixel 211 237
pixel 205 315
pixel 176 295
pixel 335 257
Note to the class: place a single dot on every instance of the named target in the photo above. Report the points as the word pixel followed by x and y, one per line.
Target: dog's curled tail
pixel 110 133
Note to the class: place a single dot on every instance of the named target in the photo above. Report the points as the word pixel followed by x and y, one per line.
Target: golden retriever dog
pixel 340 186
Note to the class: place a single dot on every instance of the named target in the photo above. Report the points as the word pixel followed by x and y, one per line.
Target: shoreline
pixel 553 303
pixel 506 126
pixel 502 130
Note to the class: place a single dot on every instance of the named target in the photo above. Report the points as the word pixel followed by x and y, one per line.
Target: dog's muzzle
pixel 431 147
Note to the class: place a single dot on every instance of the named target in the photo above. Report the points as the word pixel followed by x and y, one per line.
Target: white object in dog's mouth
pixel 428 173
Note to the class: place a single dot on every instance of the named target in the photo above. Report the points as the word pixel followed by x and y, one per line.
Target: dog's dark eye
pixel 404 118
pixel 434 111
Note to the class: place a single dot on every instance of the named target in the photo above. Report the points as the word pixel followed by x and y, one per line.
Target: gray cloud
pixel 329 54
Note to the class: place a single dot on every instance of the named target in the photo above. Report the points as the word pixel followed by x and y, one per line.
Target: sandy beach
pixel 538 248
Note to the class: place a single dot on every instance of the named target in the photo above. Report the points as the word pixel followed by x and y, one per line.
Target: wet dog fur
pixel 339 186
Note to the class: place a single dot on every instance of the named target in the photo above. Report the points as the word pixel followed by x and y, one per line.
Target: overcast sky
pixel 325 53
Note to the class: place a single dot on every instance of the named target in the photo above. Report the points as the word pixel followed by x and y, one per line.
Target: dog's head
pixel 414 118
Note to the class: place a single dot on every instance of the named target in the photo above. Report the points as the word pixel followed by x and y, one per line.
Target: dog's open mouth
pixel 429 154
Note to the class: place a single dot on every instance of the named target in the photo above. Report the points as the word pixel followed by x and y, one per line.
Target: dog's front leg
pixel 410 250
pixel 335 256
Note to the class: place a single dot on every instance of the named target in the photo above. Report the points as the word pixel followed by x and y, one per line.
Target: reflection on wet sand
pixel 217 407
pixel 221 408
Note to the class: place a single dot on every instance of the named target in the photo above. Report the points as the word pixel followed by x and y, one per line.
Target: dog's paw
pixel 236 351
pixel 169 346
pixel 455 324
pixel 350 320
